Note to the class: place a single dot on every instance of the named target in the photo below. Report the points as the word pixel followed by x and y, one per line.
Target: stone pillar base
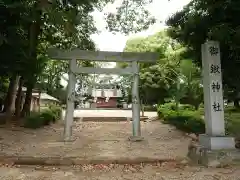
pixel 216 142
pixel 135 138
pixel 214 151
pixel 69 140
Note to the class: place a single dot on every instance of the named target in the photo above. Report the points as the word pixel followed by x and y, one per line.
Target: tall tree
pixel 203 20
pixel 32 26
pixel 155 79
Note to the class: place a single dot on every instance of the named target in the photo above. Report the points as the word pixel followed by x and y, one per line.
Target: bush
pixel 172 106
pixel 34 121
pixel 186 107
pixel 188 121
pixel 48 116
pixel 185 118
pixel 166 109
pixel 232 123
pixel 57 111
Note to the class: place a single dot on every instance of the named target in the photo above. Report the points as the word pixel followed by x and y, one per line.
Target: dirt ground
pixel 99 140
pixel 119 172
pixel 96 140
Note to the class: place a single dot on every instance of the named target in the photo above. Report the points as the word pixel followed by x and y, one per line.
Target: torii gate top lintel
pixel 103 55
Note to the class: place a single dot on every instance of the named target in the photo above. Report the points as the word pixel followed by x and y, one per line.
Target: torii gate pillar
pixel 136 126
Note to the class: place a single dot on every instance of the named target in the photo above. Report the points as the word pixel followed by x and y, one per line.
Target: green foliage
pixel 29 28
pixel 172 77
pixel 185 118
pixel 57 111
pixel 3 85
pixel 155 79
pixel 203 20
pixel 232 120
pixel 187 121
pixel 191 85
pixel 131 16
pixel 232 124
pixel 186 107
pixel 34 121
pixel 46 117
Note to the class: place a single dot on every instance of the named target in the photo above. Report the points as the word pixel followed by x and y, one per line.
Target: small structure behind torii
pixel 76 54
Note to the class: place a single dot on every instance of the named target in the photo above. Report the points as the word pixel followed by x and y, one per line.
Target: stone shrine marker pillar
pixel 215 138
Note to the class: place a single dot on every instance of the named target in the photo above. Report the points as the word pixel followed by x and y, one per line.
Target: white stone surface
pixel 107 113
pixel 217 143
pixel 107 93
pixel 213 95
pixel 215 138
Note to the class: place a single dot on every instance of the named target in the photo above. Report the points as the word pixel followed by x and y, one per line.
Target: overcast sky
pixel 161 9
pixel 106 41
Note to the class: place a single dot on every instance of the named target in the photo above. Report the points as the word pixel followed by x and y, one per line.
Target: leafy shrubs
pixel 184 117
pixel 232 122
pixel 189 120
pixel 57 111
pixel 48 116
pixel 33 121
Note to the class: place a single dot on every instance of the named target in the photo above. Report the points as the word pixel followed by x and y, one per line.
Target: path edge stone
pixel 67 161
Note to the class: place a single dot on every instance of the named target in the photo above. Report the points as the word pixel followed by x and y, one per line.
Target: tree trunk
pixel 18 103
pixel 236 103
pixel 142 108
pixel 28 99
pixel 196 106
pixel 9 97
pixel 33 34
pixel 14 94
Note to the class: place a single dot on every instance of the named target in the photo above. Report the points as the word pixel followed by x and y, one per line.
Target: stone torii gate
pixel 76 54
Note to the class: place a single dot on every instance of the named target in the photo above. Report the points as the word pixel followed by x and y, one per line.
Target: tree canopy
pixel 155 79
pixel 203 20
pixel 172 77
pixel 29 28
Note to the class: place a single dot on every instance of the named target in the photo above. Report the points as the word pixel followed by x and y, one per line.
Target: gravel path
pixel 96 140
pixel 149 172
pixel 105 141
